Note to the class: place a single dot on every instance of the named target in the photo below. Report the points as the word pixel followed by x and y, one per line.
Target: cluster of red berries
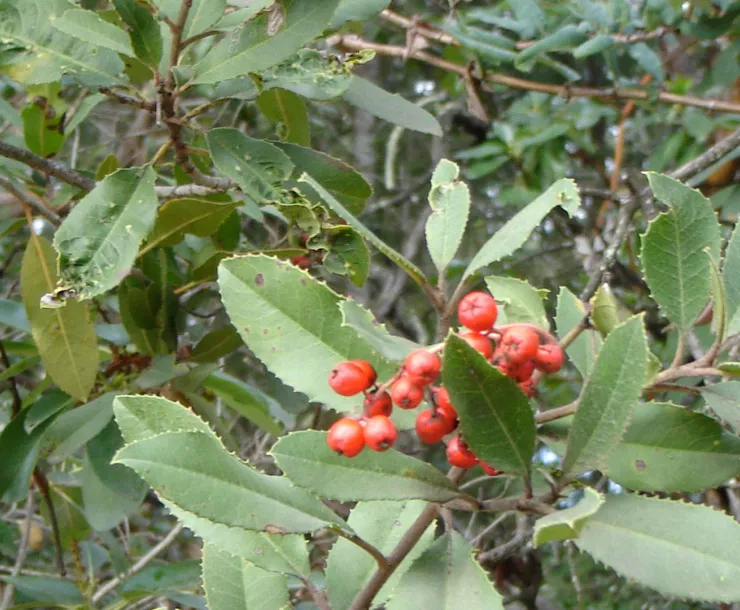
pixel 519 351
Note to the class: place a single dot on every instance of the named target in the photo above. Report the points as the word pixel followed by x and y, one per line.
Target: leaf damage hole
pixel 640 465
pixel 259 279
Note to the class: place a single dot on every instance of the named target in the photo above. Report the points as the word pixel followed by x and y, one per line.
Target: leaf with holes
pixel 495 417
pixel 675 265
pixel 679 549
pixel 567 523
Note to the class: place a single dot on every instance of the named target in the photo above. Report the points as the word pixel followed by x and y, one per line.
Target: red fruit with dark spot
pixel 432 426
pixel 528 387
pixel 478 342
pixel 378 403
pixel 519 344
pixel 521 372
pixel 442 400
pixel 406 394
pixel 422 367
pixel 346 437
pixel 459 455
pixel 366 368
pixel 302 261
pixel 348 379
pixel 477 311
pixel 490 470
pixel 549 358
pixel 380 433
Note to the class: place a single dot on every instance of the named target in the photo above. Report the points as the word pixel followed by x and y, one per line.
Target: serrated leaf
pixel 381 524
pixel 252 48
pixel 495 417
pixel 88 26
pixel 679 549
pixel 609 397
pixel 520 301
pixel 449 199
pixel 668 448
pixel 724 400
pixel 376 335
pixel 258 167
pixel 446 577
pixel 98 242
pixel 288 318
pixel 185 467
pixel 146 37
pixel 584 350
pixel 514 233
pixel 65 338
pixel 231 583
pixel 177 217
pixel 43 53
pixel 289 109
pixel 676 268
pixel 390 107
pixel 567 523
pixel 731 277
pixel 307 460
pixel 719 299
pixel 414 272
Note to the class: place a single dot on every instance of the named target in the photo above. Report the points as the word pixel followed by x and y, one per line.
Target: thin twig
pixel 42 483
pixel 22 552
pixel 30 200
pixel 139 565
pixel 367 547
pixel 47 166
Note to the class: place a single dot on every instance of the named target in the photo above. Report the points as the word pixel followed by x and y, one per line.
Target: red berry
pixel 528 387
pixel 442 400
pixel 478 342
pixel 521 372
pixel 406 394
pixel 422 367
pixel 490 470
pixel 549 358
pixel 432 426
pixel 477 311
pixel 519 343
pixel 348 379
pixel 380 433
pixel 378 403
pixel 346 437
pixel 459 455
pixel 302 261
pixel 366 368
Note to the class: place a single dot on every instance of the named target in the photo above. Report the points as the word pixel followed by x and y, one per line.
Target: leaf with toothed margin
pixel 731 276
pixel 361 320
pixel 724 401
pixel 680 550
pixel 293 324
pixel 307 460
pixel 583 351
pixel 232 583
pixel 675 266
pixel 567 523
pixel 608 398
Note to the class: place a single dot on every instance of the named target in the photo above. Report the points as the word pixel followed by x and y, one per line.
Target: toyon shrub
pixel 237 372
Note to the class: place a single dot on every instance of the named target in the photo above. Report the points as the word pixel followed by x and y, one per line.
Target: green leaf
pixel 308 462
pixel 609 397
pixel 287 318
pixel 724 400
pixel 216 344
pixel 668 448
pixel 531 18
pixel 381 524
pixel 680 550
pixel 597 44
pixel 65 337
pixel 341 180
pixel 348 254
pixel 258 167
pixel 10 114
pixel 162 578
pixel 676 268
pixel 142 417
pixel 487 44
pixel 648 60
pixel 144 31
pixel 730 368
pixel 514 233
pixel 376 335
pixel 177 217
pixel 567 523
pixel 495 417
pixel 390 107
pixel 446 577
pixel 88 26
pixel 98 242
pixel 19 451
pixel 449 199
pixel 731 277
pixel 82 112
pixel 231 583
pixel 46 590
pixel 584 350
pixel 719 299
pixel 414 272
pixel 253 48
pixel 357 10
pixel 567 37
pixel 41 133
pixel 42 53
pixel 288 108
pixel 605 311
pixel 520 301
pixel 202 15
